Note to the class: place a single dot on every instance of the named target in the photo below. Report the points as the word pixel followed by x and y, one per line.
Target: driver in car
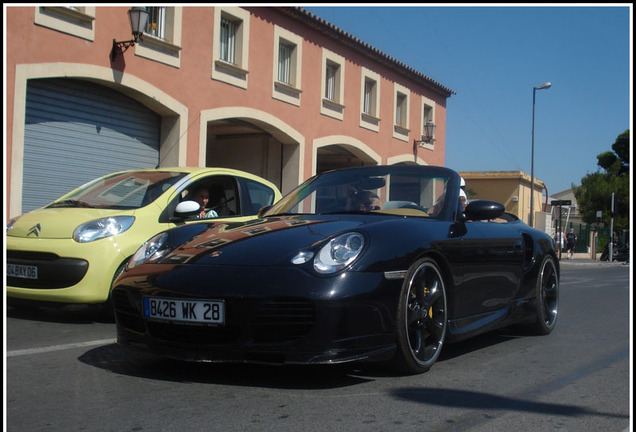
pixel 366 201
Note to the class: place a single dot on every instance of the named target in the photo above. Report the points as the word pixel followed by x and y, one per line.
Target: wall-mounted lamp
pixel 138 20
pixel 429 132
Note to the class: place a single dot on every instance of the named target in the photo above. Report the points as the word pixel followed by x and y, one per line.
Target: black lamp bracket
pixel 121 47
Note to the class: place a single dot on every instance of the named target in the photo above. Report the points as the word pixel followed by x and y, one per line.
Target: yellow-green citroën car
pixel 70 250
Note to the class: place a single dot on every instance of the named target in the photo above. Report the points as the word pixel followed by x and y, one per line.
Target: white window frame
pixel 165 47
pixel 286 53
pixel 333 107
pixel 160 30
pixel 229 34
pixel 235 72
pixel 332 83
pixel 76 21
pixel 428 113
pixel 289 92
pixel 401 126
pixel 370 120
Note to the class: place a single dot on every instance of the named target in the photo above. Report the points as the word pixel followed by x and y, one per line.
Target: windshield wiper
pixel 362 212
pixel 71 203
pixel 284 214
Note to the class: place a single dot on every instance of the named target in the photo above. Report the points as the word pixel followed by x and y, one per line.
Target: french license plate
pixel 22 271
pixel 192 311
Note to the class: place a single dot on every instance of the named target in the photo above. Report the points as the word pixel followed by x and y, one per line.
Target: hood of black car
pixel 265 242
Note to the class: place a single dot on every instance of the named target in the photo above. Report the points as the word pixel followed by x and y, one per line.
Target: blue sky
pixel 492 57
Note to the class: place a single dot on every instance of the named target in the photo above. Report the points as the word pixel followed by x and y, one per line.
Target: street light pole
pixel 534 90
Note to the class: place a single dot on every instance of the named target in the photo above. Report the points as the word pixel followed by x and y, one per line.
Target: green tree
pixel 616 162
pixel 596 189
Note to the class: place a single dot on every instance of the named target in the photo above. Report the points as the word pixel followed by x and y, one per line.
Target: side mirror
pixel 483 210
pixel 187 209
pixel 263 210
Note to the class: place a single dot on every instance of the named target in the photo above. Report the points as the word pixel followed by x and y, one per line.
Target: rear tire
pixel 422 318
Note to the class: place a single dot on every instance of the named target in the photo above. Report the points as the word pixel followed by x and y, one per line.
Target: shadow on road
pixel 485 402
pixel 124 361
pixel 67 314
pixel 120 360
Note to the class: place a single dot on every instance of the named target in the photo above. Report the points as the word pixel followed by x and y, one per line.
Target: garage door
pixel 76 131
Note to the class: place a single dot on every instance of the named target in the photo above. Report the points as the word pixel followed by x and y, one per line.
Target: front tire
pixel 422 318
pixel 547 297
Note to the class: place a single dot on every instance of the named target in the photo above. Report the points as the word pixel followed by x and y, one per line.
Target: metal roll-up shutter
pixel 76 131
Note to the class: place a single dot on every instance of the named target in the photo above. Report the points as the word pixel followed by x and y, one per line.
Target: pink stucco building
pixel 275 91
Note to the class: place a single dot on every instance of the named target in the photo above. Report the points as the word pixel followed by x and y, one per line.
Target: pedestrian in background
pixel 571 243
pixel 559 239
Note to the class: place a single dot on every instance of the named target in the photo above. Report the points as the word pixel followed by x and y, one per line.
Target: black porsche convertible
pixel 378 263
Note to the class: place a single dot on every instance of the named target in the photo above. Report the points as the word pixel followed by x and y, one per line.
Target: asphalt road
pixel 64 373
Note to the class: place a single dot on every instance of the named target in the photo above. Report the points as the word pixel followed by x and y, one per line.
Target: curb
pixel 589 262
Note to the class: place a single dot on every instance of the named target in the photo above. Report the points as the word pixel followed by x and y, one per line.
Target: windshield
pixel 390 190
pixel 129 190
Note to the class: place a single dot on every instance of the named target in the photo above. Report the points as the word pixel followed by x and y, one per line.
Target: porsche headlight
pixel 153 249
pixel 101 228
pixel 338 253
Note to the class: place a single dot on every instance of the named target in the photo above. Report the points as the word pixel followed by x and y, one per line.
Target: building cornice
pixel 336 33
